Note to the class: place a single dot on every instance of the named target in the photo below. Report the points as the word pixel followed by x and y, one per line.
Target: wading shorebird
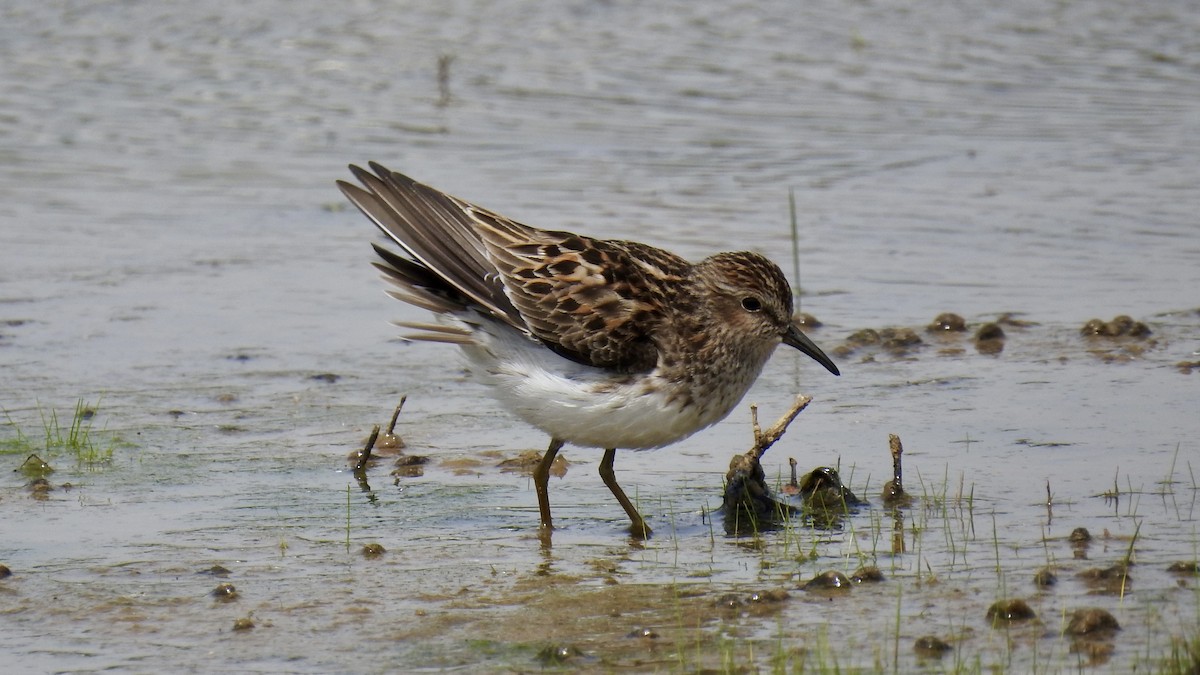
pixel 601 343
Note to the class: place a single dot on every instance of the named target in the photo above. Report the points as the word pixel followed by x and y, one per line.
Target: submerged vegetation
pixel 77 439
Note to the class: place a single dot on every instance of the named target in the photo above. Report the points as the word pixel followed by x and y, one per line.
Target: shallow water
pixel 175 253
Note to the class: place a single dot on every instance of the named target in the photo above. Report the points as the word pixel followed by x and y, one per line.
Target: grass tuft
pixel 76 439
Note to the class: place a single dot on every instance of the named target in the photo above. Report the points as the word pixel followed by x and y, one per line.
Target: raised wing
pixel 593 301
pixel 436 231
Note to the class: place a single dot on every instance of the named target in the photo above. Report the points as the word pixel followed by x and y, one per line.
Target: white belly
pixel 582 405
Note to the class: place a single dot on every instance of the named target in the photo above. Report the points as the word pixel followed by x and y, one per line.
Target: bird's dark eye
pixel 751 304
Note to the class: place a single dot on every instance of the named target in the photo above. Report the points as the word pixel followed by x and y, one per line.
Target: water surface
pixel 174 252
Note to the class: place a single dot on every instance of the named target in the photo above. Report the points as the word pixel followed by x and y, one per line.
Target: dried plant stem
pixel 893 491
pixel 762 440
pixel 395 416
pixel 365 455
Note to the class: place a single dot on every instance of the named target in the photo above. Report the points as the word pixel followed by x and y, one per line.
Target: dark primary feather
pixel 439 236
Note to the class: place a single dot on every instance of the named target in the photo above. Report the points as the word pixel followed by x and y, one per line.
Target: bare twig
pixel 754 426
pixel 897 466
pixel 745 482
pixel 443 77
pixel 395 416
pixel 762 440
pixel 893 491
pixel 365 455
pixel 1049 504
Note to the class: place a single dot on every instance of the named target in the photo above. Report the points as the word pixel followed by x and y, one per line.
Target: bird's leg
pixel 541 476
pixel 639 528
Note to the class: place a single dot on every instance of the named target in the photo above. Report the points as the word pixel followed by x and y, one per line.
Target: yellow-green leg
pixel 638 526
pixel 541 477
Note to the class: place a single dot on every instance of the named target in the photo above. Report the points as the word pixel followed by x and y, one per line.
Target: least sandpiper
pixel 601 343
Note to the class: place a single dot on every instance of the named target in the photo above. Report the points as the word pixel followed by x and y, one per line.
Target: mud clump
pixel 831 580
pixel 1080 536
pixel 557 655
pixel 867 575
pixel 388 442
pixel 989 331
pixel 1097 653
pixel 225 593
pixel 39 489
pixel 863 338
pixel 528 460
pixel 1184 567
pixel 1186 367
pixel 867 337
pixel 1112 580
pixel 947 322
pixel 1045 578
pixel 1118 341
pixel 989 339
pixel 1007 611
pixel 767 597
pixel 756 603
pixel 1092 622
pixel 899 341
pixel 730 601
pixel 806 320
pixel 410 466
pixel 35 467
pixel 931 647
pixel 1120 326
pixel 894 496
pixel 1092 630
pixel 822 488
